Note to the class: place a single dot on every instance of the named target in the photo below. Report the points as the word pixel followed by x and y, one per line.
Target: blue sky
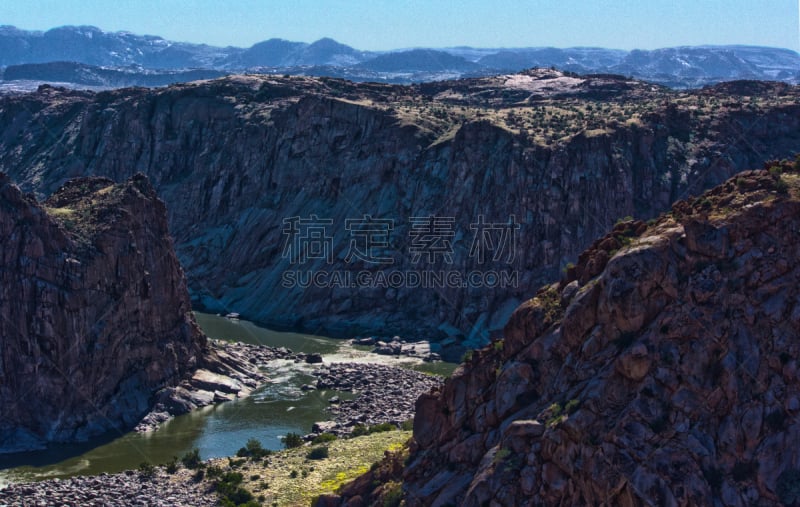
pixel 390 24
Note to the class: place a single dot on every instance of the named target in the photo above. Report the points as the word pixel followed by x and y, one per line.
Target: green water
pixel 269 413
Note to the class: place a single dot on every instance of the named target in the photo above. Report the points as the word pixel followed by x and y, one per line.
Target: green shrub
pixel 407 425
pixel 571 406
pixel 230 491
pixel 253 449
pixel 147 469
pixel 172 466
pixel 382 427
pixel 359 430
pixel 292 440
pixel 323 438
pixel 191 459
pixel 318 453
pixel 236 463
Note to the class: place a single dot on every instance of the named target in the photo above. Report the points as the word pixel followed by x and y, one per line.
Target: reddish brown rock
pixel 94 314
pixel 668 379
pixel 234 157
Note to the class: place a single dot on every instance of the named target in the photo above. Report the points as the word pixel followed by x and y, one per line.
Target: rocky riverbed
pixel 384 394
pixel 130 488
pixel 396 346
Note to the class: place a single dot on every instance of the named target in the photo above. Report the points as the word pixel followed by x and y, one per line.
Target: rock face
pixel 94 311
pixel 234 158
pixel 662 370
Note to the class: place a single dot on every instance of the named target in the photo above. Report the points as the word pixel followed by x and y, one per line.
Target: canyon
pixel 238 160
pixel 661 370
pixel 96 329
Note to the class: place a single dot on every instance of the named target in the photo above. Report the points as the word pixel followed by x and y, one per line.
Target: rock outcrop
pixel 234 158
pixel 95 317
pixel 662 370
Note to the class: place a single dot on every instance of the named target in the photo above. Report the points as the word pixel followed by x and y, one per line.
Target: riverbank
pixel 383 394
pixel 130 488
pixel 386 394
pixel 283 478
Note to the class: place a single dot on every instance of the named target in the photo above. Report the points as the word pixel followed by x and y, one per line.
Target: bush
pixel 292 440
pixel 318 453
pixel 146 469
pixel 407 425
pixel 232 494
pixel 253 449
pixel 172 466
pixel 324 438
pixel 359 430
pixel 191 459
pixel 380 428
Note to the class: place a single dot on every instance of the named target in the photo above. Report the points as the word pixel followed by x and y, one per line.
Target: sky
pixel 394 24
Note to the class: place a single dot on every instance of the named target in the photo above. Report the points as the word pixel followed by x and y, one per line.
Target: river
pixel 270 412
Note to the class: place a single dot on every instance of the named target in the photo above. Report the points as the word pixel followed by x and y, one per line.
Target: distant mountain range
pixel 113 59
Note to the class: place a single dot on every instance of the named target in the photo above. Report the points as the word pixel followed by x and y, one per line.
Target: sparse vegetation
pixel 297 475
pixel 291 440
pixel 147 469
pixel 323 438
pixel 318 453
pixel 172 466
pixel 253 449
pixel 191 459
pixel 360 429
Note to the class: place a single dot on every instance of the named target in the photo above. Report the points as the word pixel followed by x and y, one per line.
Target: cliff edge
pixel 662 370
pixel 95 316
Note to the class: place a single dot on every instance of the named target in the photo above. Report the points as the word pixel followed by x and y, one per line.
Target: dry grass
pixel 289 478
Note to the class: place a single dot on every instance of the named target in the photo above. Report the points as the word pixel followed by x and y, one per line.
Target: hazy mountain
pixel 419 60
pixel 92 46
pixel 574 59
pixel 100 77
pixel 678 67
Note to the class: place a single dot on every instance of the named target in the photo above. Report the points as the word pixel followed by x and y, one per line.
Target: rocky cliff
pixel 95 316
pixel 238 159
pixel 661 370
